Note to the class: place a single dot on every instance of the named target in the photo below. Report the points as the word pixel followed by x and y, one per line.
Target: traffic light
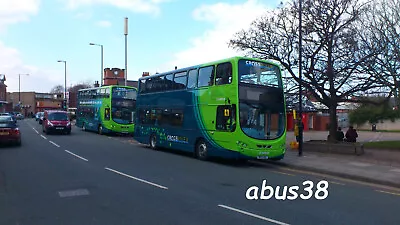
pixel 64 104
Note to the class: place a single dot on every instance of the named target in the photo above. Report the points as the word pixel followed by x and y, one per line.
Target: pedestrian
pixel 351 134
pixel 339 134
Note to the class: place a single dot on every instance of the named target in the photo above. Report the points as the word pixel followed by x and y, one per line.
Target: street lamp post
pixel 102 61
pixel 19 87
pixel 126 49
pixel 65 82
pixel 300 82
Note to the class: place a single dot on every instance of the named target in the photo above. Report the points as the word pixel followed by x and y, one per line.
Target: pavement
pixel 375 166
pixel 86 178
pixel 350 167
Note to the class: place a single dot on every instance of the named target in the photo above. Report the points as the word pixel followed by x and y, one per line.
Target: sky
pixel 162 34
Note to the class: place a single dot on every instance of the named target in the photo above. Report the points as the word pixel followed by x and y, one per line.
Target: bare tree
pixel 381 27
pixel 75 88
pixel 57 89
pixel 333 58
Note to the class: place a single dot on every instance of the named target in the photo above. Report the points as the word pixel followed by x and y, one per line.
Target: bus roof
pixel 108 86
pixel 208 63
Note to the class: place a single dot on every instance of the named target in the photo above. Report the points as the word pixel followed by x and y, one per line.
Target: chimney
pixel 96 84
pixel 145 74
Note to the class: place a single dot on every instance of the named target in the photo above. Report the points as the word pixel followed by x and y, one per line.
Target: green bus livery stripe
pixel 201 123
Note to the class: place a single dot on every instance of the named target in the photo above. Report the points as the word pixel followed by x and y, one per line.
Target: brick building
pixel 116 76
pixel 32 102
pixel 3 95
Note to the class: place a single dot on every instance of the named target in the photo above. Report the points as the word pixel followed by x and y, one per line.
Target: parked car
pixel 56 121
pixel 39 117
pixel 9 131
pixel 9 114
pixel 19 116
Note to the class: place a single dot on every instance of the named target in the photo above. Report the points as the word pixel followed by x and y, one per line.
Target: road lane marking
pixel 43 136
pixel 283 173
pixel 72 193
pixel 54 144
pixel 395 170
pixel 135 178
pixel 35 130
pixel 360 164
pixel 76 155
pixel 253 215
pixel 334 182
pixel 387 192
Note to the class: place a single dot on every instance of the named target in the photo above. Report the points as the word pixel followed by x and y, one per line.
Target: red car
pixel 9 131
pixel 56 121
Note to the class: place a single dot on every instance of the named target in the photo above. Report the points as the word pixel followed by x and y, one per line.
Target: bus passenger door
pixel 226 118
pixel 107 114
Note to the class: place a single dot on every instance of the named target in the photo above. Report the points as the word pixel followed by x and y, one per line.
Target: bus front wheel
pixel 153 142
pixel 201 150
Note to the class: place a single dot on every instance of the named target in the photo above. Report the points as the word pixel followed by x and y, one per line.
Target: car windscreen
pixel 7 121
pixel 58 116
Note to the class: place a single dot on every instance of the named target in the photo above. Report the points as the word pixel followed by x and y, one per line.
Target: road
pixel 85 178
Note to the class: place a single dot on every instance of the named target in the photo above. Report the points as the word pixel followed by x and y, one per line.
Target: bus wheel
pixel 201 150
pixel 153 142
pixel 100 130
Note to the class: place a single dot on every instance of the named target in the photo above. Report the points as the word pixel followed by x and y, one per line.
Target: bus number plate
pixel 262 157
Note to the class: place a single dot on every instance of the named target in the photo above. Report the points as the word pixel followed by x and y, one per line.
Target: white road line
pixel 253 215
pixel 395 170
pixel 135 178
pixel 54 144
pixel 334 182
pixel 34 129
pixel 43 136
pixel 283 173
pixel 76 155
pixel 386 192
pixel 359 164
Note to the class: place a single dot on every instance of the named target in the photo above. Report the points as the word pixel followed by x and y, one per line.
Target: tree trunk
pixel 333 124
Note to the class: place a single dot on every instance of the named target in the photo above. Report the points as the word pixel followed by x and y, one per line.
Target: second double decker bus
pixel 107 109
pixel 231 108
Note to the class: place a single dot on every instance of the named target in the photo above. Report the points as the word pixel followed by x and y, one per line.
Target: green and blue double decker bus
pixel 107 109
pixel 231 108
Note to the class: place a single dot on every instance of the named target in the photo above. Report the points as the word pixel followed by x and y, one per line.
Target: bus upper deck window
pixel 224 74
pixel 206 76
pixel 192 79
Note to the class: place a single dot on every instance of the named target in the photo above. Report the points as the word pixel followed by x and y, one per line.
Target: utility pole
pixel 102 62
pixel 126 49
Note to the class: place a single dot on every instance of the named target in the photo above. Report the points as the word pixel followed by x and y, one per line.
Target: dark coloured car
pixel 56 121
pixel 9 131
pixel 9 114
